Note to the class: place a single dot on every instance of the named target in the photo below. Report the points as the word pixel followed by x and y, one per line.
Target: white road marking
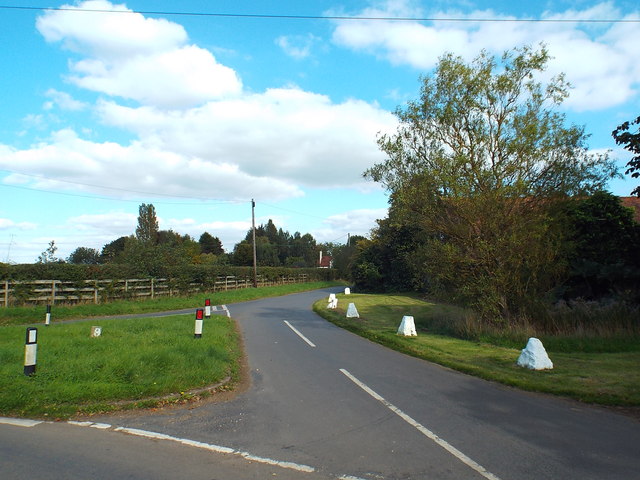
pixel 216 448
pixel 424 430
pixel 19 422
pixel 300 334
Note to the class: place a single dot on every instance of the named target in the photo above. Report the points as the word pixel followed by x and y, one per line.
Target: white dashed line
pixel 300 334
pixel 424 430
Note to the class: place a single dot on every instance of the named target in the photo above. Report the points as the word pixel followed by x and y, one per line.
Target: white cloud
pixel 142 59
pixel 601 61
pixel 117 224
pixel 64 101
pixel 8 224
pixel 297 46
pixel 354 222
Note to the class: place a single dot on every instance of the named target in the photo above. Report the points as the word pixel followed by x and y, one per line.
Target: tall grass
pixel 576 326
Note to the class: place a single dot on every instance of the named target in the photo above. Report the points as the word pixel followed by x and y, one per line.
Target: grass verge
pixel 610 378
pixel 132 360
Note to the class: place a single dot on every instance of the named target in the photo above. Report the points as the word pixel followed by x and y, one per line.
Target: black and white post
pixel 47 317
pixel 30 351
pixel 199 315
pixel 207 308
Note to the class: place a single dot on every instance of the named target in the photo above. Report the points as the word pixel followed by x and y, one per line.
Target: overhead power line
pixel 328 17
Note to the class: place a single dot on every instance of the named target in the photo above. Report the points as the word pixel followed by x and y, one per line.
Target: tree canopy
pixel 479 162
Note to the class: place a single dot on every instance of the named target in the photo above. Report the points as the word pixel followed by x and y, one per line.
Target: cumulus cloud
pixel 143 59
pixel 600 60
pixel 297 46
pixel 358 222
pixel 63 101
pixel 8 224
pixel 197 133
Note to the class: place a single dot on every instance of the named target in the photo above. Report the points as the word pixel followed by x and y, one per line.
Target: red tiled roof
pixel 632 202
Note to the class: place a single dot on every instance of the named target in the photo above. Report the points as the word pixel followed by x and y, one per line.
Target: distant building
pixel 325 261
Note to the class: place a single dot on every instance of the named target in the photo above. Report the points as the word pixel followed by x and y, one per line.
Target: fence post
pixel 151 287
pixel 53 292
pixel 95 292
pixel 6 293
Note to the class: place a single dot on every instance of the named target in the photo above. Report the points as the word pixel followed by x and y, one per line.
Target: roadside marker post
pixel 207 308
pixel 199 315
pixel 47 317
pixel 30 351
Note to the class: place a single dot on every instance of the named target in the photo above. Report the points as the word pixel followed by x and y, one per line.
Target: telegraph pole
pixel 253 228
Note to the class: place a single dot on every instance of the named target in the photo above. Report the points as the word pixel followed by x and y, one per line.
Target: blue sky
pixel 198 114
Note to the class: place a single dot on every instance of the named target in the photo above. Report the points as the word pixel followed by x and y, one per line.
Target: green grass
pixel 609 378
pixel 36 314
pixel 134 363
pixel 132 360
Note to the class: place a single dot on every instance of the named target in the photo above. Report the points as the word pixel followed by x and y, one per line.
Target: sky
pixel 198 106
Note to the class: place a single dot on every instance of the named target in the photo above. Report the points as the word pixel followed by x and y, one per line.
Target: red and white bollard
pixel 207 308
pixel 199 315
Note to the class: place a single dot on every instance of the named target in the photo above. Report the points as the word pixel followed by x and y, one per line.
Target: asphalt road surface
pixel 325 401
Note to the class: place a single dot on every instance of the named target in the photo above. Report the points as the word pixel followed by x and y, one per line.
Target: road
pixel 324 398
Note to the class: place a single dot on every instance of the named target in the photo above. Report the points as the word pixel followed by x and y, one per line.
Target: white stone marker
pixel 96 332
pixel 347 291
pixel 333 301
pixel 534 356
pixel 407 327
pixel 352 312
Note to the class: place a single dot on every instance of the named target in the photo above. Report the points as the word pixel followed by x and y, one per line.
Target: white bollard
pixel 207 308
pixel 30 351
pixel 352 311
pixel 47 317
pixel 198 329
pixel 407 327
pixel 333 301
pixel 347 291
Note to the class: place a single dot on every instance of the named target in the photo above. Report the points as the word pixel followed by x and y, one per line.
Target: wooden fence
pixel 30 292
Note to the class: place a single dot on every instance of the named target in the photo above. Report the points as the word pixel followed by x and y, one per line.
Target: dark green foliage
pixel 210 244
pixel 112 250
pixel 84 256
pixel 631 142
pixel 389 261
pixel 275 247
pixel 604 248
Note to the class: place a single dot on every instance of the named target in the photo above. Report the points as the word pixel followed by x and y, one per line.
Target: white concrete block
pixel 347 291
pixel 407 327
pixel 332 296
pixel 534 356
pixel 333 302
pixel 352 312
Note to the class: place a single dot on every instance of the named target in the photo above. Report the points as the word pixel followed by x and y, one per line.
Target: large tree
pixel 210 244
pixel 478 162
pixel 631 142
pixel 147 229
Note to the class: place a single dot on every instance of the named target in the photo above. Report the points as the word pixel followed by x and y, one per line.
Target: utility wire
pixel 329 17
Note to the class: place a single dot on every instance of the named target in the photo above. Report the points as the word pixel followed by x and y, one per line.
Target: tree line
pixel 150 250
